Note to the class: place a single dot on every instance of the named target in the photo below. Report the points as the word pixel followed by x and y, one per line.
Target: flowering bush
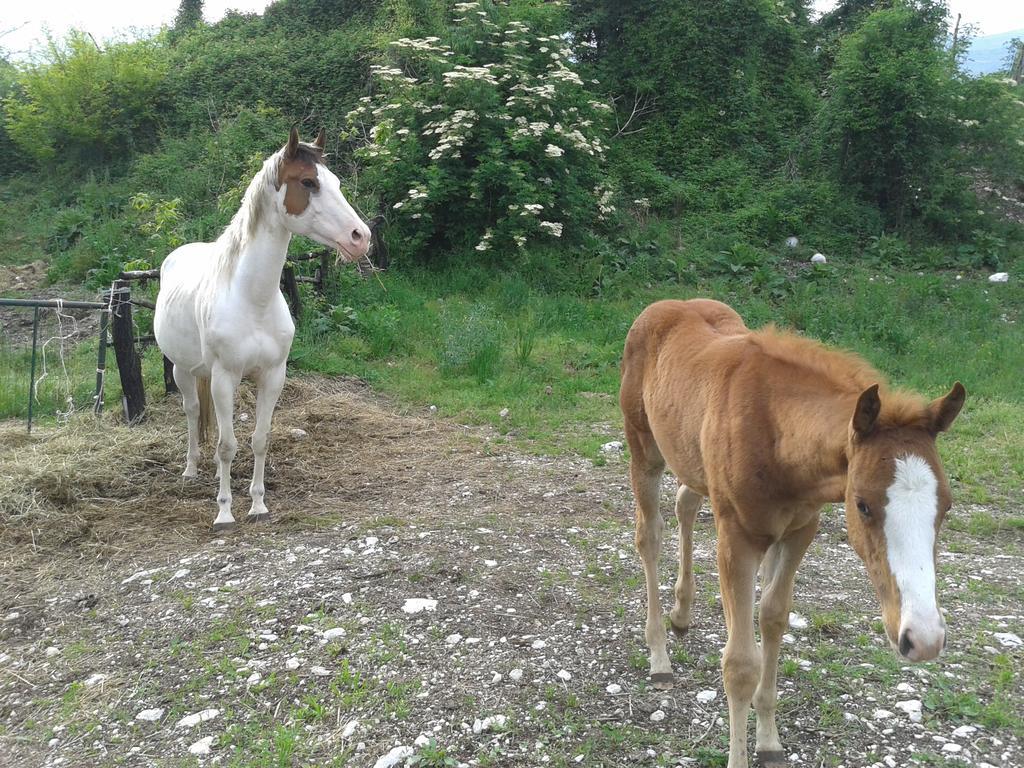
pixel 490 143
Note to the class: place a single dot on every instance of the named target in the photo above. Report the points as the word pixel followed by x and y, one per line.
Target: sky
pixel 106 19
pixel 990 16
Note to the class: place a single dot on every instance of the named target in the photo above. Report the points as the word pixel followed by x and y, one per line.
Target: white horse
pixel 220 314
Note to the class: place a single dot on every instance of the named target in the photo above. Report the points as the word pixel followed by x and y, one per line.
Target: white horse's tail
pixel 205 407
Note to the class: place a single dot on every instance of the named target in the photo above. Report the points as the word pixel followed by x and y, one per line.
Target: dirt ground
pixel 425 591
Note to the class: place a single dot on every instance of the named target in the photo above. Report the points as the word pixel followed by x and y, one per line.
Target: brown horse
pixel 771 427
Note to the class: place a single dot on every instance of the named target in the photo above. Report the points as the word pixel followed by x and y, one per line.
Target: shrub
pixel 84 107
pixel 492 143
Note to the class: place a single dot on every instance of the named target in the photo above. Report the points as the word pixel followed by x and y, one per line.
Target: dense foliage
pixel 488 142
pixel 648 138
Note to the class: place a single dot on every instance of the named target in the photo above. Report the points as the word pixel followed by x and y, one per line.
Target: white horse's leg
pixel 222 390
pixel 268 390
pixel 190 400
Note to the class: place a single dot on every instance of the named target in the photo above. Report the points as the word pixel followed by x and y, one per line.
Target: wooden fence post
pixel 291 290
pixel 129 366
pixel 170 385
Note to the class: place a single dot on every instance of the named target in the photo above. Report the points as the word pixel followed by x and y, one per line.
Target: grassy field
pixel 477 345
pixel 474 345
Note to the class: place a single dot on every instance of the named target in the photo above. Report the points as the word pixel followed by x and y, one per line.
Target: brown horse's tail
pixel 205 407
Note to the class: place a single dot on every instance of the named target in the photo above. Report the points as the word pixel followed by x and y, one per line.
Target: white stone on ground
pixel 95 679
pixel 417 604
pixel 297 434
pixel 964 731
pixel 254 678
pixel 818 258
pixel 292 663
pixel 613 688
pixel 333 634
pixel 1006 639
pixel 320 671
pixel 394 757
pixel 515 675
pixel 150 715
pixel 792 242
pixel 912 707
pixel 705 697
pixel 538 644
pixel 882 714
pixel 349 729
pixel 421 741
pixel 189 721
pixel 52 651
pixel 999 277
pixel 797 621
pixel 615 446
pixel 951 746
pixel 564 676
pixel 201 747
pixel 453 639
pixel 657 716
pixel 492 721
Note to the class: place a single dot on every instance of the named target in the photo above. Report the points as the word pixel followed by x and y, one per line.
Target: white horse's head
pixel 310 202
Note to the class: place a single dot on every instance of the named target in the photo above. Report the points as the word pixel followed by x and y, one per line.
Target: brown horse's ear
pixel 865 415
pixel 945 409
pixel 321 140
pixel 293 143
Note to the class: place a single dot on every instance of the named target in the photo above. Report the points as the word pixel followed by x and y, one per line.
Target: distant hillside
pixel 987 54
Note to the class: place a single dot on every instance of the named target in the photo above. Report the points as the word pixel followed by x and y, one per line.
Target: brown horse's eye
pixel 863 508
pixel 309 184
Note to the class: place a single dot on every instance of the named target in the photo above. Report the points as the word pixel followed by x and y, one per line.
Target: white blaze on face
pixel 335 220
pixel 910 539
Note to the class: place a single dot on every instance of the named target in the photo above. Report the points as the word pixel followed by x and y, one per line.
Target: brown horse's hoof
pixel 773 759
pixel 224 526
pixel 662 680
pixel 679 632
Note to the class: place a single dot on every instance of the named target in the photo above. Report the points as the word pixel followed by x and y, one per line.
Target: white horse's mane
pixel 228 247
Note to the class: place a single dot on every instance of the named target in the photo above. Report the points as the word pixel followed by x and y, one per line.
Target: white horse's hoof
pixel 262 517
pixel 191 475
pixel 225 526
pixel 662 681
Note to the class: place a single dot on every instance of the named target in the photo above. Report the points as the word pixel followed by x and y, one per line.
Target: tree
pixel 889 119
pixel 190 16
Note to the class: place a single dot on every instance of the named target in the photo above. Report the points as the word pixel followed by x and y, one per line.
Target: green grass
pixel 473 343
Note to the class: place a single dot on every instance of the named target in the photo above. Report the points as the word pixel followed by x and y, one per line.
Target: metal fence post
pixel 32 373
pixel 101 361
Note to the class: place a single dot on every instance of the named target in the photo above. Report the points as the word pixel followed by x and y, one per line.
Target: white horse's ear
pixel 945 409
pixel 865 415
pixel 293 143
pixel 321 140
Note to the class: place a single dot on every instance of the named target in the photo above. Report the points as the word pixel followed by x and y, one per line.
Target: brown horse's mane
pixel 848 372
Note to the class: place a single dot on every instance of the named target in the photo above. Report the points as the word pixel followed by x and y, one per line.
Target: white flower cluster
pixel 391 75
pixel 464 7
pixel 470 73
pixel 452 133
pixel 554 227
pixel 485 243
pixel 604 200
pixel 423 44
pixel 553 151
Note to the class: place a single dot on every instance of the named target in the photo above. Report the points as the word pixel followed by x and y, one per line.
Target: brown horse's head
pixel 897 496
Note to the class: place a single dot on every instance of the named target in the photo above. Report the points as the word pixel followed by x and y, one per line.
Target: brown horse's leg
pixel 645 471
pixel 738 560
pixel 687 504
pixel 777 576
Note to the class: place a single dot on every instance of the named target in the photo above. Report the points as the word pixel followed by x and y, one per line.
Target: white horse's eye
pixel 309 184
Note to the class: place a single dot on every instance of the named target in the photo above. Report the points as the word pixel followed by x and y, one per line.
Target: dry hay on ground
pixel 106 489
